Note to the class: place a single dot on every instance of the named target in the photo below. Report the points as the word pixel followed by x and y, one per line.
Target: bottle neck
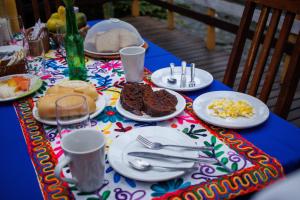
pixel 71 21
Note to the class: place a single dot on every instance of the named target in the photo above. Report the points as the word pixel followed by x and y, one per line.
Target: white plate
pixel 118 158
pixel 100 105
pixel 202 79
pixel 35 84
pixel 146 118
pixel 200 107
pixel 10 48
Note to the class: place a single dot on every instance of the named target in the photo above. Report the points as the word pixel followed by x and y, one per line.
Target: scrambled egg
pixel 228 108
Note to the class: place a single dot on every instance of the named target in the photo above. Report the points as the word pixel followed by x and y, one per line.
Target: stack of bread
pixel 46 104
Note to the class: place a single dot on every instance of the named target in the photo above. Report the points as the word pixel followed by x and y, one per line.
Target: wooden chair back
pixel 46 5
pixel 260 46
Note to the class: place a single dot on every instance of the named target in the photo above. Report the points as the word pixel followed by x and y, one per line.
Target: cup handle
pixel 64 162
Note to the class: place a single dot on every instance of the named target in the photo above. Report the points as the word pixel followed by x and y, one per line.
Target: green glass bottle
pixel 74 45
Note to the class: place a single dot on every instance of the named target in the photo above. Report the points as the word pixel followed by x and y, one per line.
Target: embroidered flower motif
pixel 168 186
pixel 117 177
pixel 110 114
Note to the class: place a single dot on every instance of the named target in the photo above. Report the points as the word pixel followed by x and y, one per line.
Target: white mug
pixel 133 59
pixel 84 153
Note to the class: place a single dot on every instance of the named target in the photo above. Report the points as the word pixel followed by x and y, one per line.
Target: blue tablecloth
pixel 276 137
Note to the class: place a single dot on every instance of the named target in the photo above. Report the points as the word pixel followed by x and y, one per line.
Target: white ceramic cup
pixel 133 59
pixel 84 153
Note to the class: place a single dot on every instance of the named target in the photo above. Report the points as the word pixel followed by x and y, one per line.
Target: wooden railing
pixel 209 18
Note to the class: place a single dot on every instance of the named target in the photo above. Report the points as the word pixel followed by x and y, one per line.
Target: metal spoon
pixel 171 78
pixel 143 165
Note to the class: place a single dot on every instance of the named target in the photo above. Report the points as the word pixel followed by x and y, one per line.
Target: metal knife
pixel 183 74
pixel 164 156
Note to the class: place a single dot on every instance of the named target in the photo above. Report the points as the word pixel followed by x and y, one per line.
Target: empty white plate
pixel 118 158
pixel 202 79
pixel 200 107
pixel 146 118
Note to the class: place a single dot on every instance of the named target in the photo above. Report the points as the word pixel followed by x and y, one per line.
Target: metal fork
pixel 156 145
pixel 192 82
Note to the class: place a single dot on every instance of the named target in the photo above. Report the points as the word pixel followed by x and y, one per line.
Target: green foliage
pixel 122 8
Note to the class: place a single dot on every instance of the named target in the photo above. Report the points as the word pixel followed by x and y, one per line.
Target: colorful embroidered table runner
pixel 241 168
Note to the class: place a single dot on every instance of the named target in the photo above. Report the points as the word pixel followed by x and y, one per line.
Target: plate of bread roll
pixel 44 110
pixel 106 38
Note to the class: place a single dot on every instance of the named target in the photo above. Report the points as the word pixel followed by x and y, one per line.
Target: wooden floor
pixel 191 47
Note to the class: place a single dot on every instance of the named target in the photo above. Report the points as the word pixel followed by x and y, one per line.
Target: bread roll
pixel 115 39
pixel 128 38
pixel 76 86
pixel 108 42
pixel 47 108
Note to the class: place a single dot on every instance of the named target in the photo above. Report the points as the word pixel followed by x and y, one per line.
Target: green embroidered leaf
pixel 208 153
pixel 185 130
pixel 207 144
pixel 219 154
pixel 199 131
pixel 224 160
pixel 193 136
pixel 73 188
pixel 92 198
pixel 217 147
pixel 234 166
pixel 213 140
pixel 85 193
pixel 105 195
pixel 221 169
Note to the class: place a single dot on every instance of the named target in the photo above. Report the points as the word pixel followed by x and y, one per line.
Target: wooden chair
pixel 274 8
pixel 47 8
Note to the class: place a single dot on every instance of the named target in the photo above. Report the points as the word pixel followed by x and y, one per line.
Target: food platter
pixel 35 84
pixel 181 102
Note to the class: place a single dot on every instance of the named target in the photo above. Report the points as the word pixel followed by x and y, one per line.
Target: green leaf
pixel 199 131
pixel 193 136
pixel 234 166
pixel 73 188
pixel 213 140
pixel 224 160
pixel 219 154
pixel 92 198
pixel 208 153
pixel 217 147
pixel 85 193
pixel 105 195
pixel 185 130
pixel 207 144
pixel 221 169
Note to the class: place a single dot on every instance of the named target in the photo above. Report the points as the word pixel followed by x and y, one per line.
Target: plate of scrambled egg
pixel 230 109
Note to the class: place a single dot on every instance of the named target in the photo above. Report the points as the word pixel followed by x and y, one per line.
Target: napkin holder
pixel 43 34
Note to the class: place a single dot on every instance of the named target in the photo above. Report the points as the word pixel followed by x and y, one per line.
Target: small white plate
pixel 10 48
pixel 100 105
pixel 146 118
pixel 200 107
pixel 35 84
pixel 118 158
pixel 202 79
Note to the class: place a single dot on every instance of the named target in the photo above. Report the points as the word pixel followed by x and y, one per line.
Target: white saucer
pixel 118 158
pixel 202 79
pixel 100 105
pixel 200 107
pixel 146 118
